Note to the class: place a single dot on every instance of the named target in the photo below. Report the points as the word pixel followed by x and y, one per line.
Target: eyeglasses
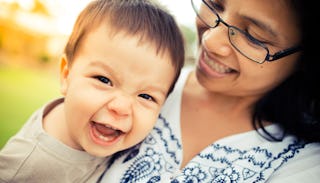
pixel 240 40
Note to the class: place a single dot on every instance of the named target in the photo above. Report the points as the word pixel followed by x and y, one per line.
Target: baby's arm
pixel 12 157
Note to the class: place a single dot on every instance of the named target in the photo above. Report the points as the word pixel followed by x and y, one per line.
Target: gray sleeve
pixel 12 157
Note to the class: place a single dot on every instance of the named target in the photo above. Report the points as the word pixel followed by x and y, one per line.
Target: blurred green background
pixel 22 92
pixel 32 37
pixel 28 64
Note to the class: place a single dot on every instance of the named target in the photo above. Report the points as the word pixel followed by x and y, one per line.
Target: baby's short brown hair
pixel 143 18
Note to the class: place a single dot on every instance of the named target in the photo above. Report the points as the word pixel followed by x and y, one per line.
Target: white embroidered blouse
pixel 245 157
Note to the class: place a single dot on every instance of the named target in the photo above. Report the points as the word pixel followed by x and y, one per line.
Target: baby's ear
pixel 64 73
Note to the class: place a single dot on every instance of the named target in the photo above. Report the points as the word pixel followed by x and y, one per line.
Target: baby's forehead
pixel 150 23
pixel 123 33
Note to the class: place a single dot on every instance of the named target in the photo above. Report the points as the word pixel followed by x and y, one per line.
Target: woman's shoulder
pixel 304 167
pixel 185 73
pixel 180 84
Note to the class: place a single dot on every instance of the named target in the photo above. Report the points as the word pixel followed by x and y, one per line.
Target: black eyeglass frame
pixel 269 57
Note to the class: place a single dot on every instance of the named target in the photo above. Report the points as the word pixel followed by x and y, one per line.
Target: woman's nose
pixel 215 40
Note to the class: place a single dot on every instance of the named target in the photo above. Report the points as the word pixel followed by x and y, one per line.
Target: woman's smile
pixel 216 66
pixel 212 67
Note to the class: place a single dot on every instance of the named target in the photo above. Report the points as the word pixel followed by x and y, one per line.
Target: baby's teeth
pixel 108 126
pixel 101 137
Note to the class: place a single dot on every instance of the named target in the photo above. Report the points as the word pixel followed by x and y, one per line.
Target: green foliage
pixel 44 58
pixel 22 91
pixel 189 34
pixel 190 43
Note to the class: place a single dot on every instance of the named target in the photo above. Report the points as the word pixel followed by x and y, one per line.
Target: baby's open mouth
pixel 105 132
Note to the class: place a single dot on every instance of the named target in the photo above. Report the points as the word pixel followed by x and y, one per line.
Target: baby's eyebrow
pixel 157 89
pixel 101 65
pixel 98 64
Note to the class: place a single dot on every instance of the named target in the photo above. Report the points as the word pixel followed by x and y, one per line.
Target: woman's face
pixel 222 68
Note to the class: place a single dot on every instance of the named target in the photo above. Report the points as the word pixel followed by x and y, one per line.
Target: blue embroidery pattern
pixel 194 174
pixel 159 157
pixel 227 164
pixel 142 167
pixel 166 136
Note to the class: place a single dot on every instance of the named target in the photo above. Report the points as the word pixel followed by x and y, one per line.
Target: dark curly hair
pixel 294 104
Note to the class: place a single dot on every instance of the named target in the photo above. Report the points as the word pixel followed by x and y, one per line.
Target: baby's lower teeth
pixel 103 138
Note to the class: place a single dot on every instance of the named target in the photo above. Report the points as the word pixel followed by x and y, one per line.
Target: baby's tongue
pixel 105 131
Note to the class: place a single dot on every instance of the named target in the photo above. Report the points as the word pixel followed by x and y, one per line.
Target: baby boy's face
pixel 113 91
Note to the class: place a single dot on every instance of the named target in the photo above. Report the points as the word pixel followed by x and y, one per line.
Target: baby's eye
pixel 104 80
pixel 147 97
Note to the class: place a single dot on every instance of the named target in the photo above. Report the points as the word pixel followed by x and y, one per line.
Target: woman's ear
pixel 64 73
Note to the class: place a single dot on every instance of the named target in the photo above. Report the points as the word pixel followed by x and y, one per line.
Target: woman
pixel 248 111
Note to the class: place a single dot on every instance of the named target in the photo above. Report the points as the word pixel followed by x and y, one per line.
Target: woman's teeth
pixel 216 66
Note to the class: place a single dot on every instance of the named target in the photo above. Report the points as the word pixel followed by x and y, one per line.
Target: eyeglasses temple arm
pixel 283 53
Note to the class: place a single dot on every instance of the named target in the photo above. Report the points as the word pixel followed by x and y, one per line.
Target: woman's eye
pixel 253 41
pixel 104 80
pixel 215 5
pixel 147 97
pixel 255 37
